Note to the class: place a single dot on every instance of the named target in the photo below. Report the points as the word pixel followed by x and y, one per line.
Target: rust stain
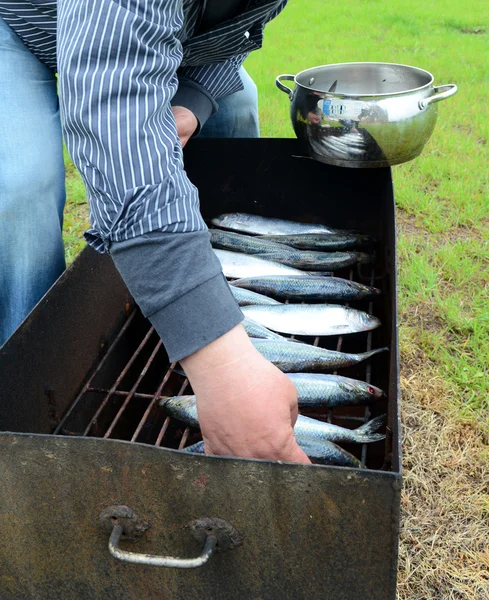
pixel 202 481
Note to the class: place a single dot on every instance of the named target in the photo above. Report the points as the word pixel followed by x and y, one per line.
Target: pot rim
pixel 383 95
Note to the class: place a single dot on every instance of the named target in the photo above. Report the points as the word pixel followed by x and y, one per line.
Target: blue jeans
pixel 237 116
pixel 32 193
pixel 32 186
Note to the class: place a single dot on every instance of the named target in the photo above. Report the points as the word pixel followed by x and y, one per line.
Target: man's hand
pixel 246 406
pixel 186 123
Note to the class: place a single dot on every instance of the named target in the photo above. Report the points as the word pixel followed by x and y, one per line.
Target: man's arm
pixel 117 67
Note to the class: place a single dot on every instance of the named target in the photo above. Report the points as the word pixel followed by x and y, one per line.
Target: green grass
pixel 443 195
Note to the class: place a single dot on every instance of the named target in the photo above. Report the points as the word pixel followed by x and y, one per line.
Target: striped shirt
pixel 119 63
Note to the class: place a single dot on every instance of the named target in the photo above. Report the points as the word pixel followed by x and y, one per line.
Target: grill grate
pixel 121 398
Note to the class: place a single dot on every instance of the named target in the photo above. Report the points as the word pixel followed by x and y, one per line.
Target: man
pixel 138 78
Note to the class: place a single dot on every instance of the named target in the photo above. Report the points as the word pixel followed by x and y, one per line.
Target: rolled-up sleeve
pixel 117 66
pixel 117 69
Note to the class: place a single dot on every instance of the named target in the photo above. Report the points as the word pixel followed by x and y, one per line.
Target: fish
pixel 305 427
pixel 312 319
pixel 236 265
pixel 326 452
pixel 295 358
pixel 331 391
pixel 255 330
pixel 258 225
pixel 316 261
pixel 239 242
pixel 307 288
pixel 322 241
pixel 184 408
pixel 245 297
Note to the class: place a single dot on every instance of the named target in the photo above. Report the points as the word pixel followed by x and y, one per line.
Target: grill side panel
pixel 307 533
pixel 44 363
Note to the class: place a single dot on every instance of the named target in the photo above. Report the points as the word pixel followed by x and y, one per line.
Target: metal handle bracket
pixel 441 92
pixel 281 86
pixel 122 522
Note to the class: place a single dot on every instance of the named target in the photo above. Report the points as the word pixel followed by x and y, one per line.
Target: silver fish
pixel 326 452
pixel 239 242
pixel 317 261
pixel 305 427
pixel 255 330
pixel 236 265
pixel 294 358
pixel 312 319
pixel 322 241
pixel 246 297
pixel 331 391
pixel 184 408
pixel 255 224
pixel 308 432
pixel 308 287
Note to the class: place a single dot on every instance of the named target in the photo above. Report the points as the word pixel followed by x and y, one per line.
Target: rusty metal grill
pixel 124 404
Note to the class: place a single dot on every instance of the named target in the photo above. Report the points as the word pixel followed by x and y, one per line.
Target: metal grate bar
pixel 135 386
pixel 111 348
pixel 123 373
pixel 368 367
pixel 154 398
pixel 167 420
pixel 171 381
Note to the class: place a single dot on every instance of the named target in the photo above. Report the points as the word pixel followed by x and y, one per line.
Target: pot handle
pixel 441 92
pixel 215 534
pixel 281 86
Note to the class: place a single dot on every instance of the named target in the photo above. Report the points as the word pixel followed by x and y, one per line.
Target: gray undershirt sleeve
pixel 177 281
pixel 193 96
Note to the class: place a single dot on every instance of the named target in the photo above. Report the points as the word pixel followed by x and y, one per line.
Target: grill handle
pixel 123 522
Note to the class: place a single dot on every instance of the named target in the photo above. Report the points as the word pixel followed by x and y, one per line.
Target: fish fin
pixel 179 371
pixel 198 448
pixel 367 431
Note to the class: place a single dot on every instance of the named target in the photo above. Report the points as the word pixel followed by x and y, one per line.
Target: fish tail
pixel 374 352
pixel 198 448
pixel 367 431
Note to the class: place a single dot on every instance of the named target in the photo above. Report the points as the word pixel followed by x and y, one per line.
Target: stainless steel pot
pixel 364 114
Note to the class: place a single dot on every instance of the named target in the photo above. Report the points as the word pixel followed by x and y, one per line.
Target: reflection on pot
pixel 364 114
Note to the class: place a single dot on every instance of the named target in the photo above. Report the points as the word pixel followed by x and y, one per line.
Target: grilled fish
pixel 255 224
pixel 307 287
pixel 322 241
pixel 295 358
pixel 246 297
pixel 326 452
pixel 237 265
pixel 312 319
pixel 331 391
pixel 316 261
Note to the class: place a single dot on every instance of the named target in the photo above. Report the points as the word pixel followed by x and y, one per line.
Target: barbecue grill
pixel 87 452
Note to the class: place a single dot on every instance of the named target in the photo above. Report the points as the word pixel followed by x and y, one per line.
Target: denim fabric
pixel 32 192
pixel 237 116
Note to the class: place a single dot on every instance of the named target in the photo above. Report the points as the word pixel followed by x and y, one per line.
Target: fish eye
pixel 370 390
